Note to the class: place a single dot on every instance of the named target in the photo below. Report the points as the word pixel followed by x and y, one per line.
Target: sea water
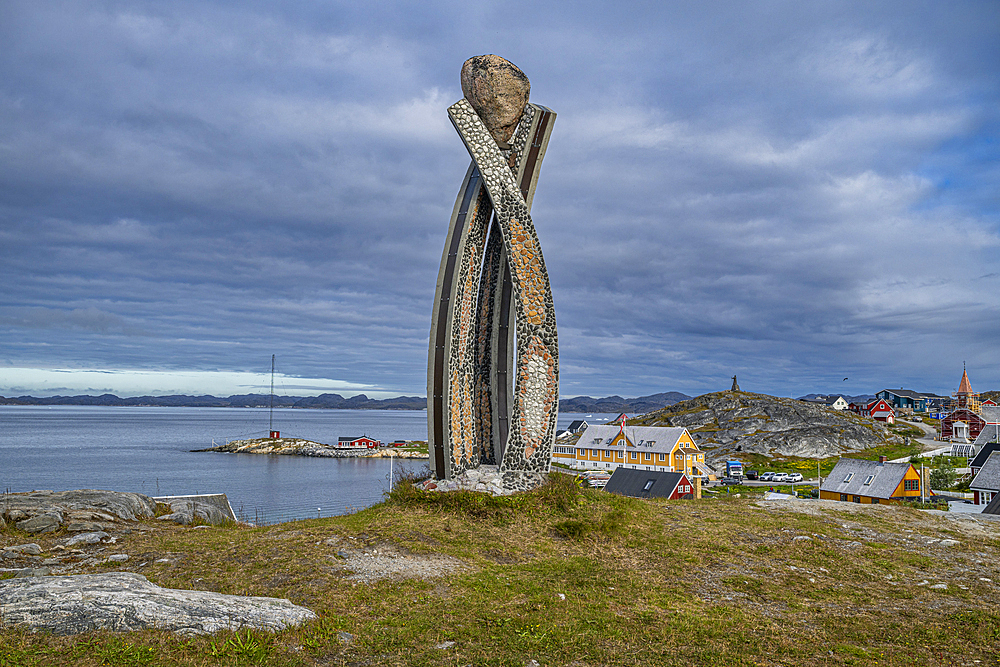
pixel 148 450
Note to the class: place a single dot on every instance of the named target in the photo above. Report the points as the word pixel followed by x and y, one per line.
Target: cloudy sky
pixel 793 192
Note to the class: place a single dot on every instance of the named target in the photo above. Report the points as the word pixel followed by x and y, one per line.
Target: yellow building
pixel 666 449
pixel 871 482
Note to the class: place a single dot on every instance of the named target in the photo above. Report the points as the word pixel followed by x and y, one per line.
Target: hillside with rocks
pixel 727 422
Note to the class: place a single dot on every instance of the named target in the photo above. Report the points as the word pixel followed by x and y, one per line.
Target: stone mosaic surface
pixel 487 254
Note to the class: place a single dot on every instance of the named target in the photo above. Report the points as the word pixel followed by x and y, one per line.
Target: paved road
pixel 749 482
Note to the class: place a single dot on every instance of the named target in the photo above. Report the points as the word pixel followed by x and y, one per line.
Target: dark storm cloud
pixel 785 191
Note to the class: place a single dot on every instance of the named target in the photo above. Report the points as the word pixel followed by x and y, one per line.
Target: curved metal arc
pixel 441 322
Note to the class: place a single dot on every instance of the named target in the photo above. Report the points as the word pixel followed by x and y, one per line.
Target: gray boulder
pixel 124 602
pixel 83 527
pixel 212 509
pixel 86 538
pixel 44 523
pixel 29 549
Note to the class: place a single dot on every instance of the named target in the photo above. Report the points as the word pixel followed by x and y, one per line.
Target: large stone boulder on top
pixel 498 90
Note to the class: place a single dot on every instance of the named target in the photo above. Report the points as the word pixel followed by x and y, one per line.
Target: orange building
pixel 871 482
pixel 667 449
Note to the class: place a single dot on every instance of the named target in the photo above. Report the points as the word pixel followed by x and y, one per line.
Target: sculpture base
pixel 489 479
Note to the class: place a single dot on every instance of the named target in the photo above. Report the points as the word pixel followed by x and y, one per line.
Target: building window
pixel 649 485
pixel 847 479
pixel 663 457
pixel 868 480
pixel 647 456
pixel 843 497
pixel 857 499
pixel 633 455
pixel 911 485
pixel 874 501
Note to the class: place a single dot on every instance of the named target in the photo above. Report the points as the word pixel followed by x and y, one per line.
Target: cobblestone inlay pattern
pixel 534 410
pixel 467 406
pixel 494 364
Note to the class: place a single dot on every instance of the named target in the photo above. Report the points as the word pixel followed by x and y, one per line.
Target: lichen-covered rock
pixel 43 523
pixel 123 602
pixel 86 538
pixel 82 504
pixel 763 424
pixel 212 509
pixel 498 91
pixel 29 549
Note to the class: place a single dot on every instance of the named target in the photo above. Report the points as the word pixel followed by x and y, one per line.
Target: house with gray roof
pixel 650 484
pixel 990 413
pixel 986 484
pixel 994 506
pixel 650 448
pixel 985 448
pixel 871 482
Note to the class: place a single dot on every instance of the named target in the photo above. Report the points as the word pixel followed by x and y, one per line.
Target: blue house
pixel 904 398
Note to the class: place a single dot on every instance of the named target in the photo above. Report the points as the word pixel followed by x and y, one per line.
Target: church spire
pixel 964 387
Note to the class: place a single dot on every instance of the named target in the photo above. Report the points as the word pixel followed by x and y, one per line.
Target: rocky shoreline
pixel 301 447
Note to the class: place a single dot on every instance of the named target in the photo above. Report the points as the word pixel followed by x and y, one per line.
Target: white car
pixel 779 477
pixel 794 477
pixel 767 477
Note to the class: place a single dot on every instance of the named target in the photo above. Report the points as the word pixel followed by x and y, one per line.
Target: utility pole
pixel 270 419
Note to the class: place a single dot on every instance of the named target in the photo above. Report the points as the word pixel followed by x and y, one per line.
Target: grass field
pixel 571 576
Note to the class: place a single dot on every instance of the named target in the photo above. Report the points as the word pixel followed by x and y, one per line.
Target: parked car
pixel 768 476
pixel 753 474
pixel 730 480
pixel 779 477
pixel 794 477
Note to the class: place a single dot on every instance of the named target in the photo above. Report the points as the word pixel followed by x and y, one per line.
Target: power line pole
pixel 270 419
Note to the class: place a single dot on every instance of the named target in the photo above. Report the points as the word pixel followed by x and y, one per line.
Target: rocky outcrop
pixel 283 447
pixel 300 447
pixel 123 602
pixel 47 511
pixel 729 422
pixel 213 509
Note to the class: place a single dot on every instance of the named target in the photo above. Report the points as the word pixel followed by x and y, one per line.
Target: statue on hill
pixel 493 283
pixel 736 387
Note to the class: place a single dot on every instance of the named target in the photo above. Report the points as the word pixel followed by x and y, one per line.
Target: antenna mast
pixel 270 419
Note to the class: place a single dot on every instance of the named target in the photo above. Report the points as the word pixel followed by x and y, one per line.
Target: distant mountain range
pixel 328 401
pixel 639 405
pixel 863 398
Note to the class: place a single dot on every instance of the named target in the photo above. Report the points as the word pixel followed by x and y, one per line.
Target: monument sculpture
pixel 493 362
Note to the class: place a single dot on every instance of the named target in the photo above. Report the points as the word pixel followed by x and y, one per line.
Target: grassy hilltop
pixel 571 576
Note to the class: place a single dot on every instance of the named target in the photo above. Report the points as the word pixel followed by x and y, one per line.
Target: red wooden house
pixel 362 442
pixel 880 411
pixel 966 416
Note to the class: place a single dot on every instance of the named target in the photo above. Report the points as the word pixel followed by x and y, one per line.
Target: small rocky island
pixel 302 447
